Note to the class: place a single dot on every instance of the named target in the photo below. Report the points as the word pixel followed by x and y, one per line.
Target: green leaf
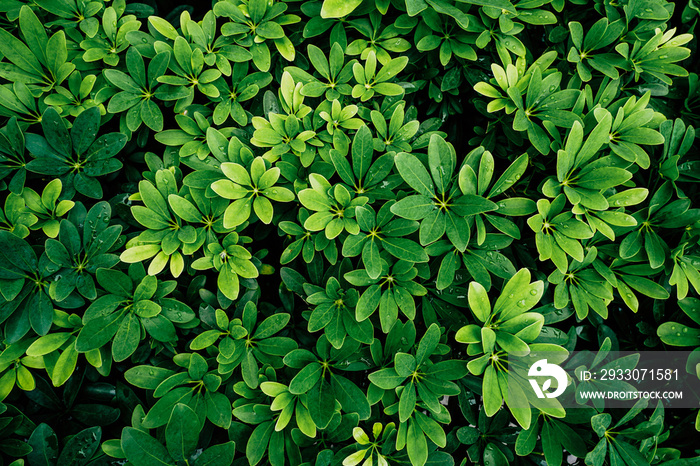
pixel 368 302
pixel 603 178
pixel 479 301
pixel 218 409
pixel 404 249
pixel 306 379
pixel 151 115
pixel 147 377
pixel 217 454
pixel 338 8
pixel 44 445
pixel 18 255
pixel 441 162
pixel 65 366
pixel 491 392
pixel 321 403
pixel 271 325
pixel 351 398
pixel 415 174
pixel 510 176
pixel 163 27
pixel 143 450
pixel 500 4
pixel 184 209
pixel 249 369
pixel 115 282
pixel 673 333
pixel 427 344
pixel 182 432
pixel 85 129
pixel 416 444
pixel 160 412
pixel 386 379
pixel 471 205
pixel 258 441
pixel 97 332
pixel 415 207
pixel 127 338
pixel 19 54
pixel 371 259
pixel 123 81
pixel 362 151
pixel 691 306
pixel 80 448
pixel 407 402
pixel 432 228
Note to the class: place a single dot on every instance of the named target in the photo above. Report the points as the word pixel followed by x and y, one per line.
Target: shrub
pixel 275 232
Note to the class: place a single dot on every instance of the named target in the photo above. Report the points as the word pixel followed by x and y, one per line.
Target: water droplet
pixel 501 204
pixel 521 303
pixel 678 334
pixel 222 148
pixel 533 292
pixel 144 40
pixel 629 295
pixel 510 295
pixel 509 181
pixel 552 88
pixel 559 312
pixel 685 330
pixel 618 203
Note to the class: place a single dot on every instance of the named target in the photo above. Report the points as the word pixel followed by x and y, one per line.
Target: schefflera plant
pixel 436 200
pixel 79 157
pixel 135 307
pixel 250 188
pixel 231 260
pixel 179 223
pixel 506 328
pixel 334 207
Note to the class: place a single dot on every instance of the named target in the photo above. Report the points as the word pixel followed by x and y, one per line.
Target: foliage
pixel 296 233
